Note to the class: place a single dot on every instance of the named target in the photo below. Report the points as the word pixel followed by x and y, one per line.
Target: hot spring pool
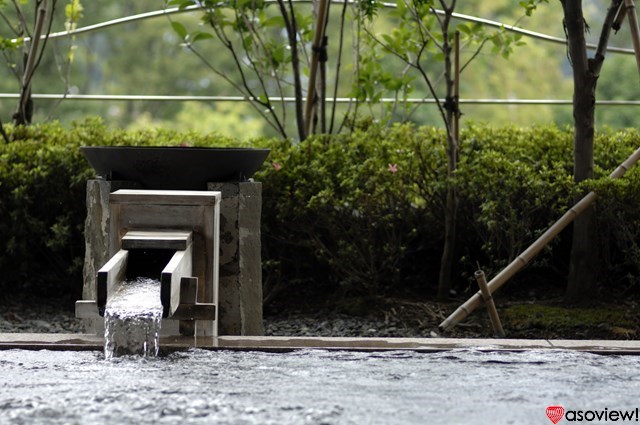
pixel 314 387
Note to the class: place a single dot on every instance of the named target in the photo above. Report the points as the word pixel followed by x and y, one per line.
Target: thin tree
pixel 274 47
pixel 425 36
pixel 586 70
pixel 30 44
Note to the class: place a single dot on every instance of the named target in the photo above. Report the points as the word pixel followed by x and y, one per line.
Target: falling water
pixel 132 319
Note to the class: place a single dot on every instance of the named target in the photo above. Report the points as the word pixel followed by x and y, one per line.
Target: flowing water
pixel 132 319
pixel 317 387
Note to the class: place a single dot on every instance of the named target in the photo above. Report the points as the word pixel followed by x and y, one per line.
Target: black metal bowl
pixel 178 168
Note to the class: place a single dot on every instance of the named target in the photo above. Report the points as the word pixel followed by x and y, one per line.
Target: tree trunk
pixel 291 26
pixel 448 250
pixel 584 249
pixel 451 208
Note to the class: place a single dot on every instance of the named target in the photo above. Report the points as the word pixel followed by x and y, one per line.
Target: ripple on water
pixel 310 387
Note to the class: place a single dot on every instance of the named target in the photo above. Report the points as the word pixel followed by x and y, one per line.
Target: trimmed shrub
pixel 361 211
pixel 42 210
pixel 344 210
pixel 42 200
pixel 513 184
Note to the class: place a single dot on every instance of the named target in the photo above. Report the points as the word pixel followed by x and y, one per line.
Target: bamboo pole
pixel 635 31
pixel 317 46
pixel 526 256
pixel 498 330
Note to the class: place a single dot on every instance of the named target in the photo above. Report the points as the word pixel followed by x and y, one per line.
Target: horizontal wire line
pixel 169 98
pixel 176 10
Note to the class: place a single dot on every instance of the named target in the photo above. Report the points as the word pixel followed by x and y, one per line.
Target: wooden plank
pixel 165 197
pixel 188 290
pixel 179 266
pixel 157 239
pixel 200 311
pixel 110 275
pixel 87 309
pixel 188 296
pixel 158 217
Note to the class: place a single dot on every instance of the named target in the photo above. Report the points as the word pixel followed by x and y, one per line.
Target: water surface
pixel 311 387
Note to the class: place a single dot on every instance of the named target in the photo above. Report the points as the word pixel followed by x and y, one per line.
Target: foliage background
pixel 146 58
pixel 360 213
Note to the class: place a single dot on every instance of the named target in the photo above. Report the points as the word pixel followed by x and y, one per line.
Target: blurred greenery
pixel 145 57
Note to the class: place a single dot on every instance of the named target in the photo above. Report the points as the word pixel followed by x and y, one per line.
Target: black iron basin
pixel 178 168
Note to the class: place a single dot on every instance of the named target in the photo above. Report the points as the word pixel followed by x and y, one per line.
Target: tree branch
pixel 292 31
pixel 9 25
pixel 5 136
pixel 338 66
pixel 269 56
pixel 607 26
pixel 273 121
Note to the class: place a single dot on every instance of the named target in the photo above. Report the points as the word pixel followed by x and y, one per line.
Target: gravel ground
pixel 398 319
pixel 58 317
pixel 344 326
pixel 45 317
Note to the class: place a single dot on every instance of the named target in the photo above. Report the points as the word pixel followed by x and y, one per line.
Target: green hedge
pixel 42 200
pixel 362 210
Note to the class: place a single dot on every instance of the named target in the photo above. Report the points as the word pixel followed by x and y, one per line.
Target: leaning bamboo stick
pixel 526 256
pixel 496 325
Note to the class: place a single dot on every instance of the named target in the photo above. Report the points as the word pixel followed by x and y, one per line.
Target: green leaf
pixel 201 36
pixel 247 42
pixel 394 84
pixel 73 10
pixel 464 29
pixel 9 44
pixel 179 29
pixel 274 22
pixel 388 39
pixel 182 4
pixel 369 8
pixel 71 53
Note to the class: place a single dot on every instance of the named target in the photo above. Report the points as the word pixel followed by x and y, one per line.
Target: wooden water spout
pixel 172 237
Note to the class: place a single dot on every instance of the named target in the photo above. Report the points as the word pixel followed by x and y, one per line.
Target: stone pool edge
pixel 88 342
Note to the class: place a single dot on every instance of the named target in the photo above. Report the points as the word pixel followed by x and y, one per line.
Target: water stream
pixel 314 387
pixel 132 319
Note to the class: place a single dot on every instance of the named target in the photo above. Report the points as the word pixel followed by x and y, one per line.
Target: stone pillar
pixel 96 230
pixel 96 240
pixel 240 282
pixel 240 279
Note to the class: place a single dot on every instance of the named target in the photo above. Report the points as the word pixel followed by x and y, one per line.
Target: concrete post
pixel 240 282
